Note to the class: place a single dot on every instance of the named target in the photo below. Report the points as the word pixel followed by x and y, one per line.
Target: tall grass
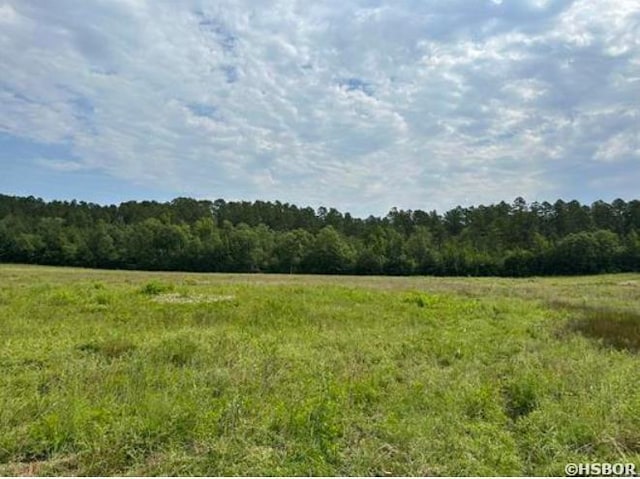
pixel 612 327
pixel 313 376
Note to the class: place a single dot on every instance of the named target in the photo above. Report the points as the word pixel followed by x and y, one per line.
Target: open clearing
pixel 124 373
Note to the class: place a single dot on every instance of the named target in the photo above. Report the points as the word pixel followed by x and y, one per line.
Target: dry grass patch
pixel 58 466
pixel 177 298
pixel 616 328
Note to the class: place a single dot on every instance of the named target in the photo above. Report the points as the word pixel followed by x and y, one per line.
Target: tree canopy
pixel 516 239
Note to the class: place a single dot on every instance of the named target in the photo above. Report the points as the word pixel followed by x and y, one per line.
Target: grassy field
pixel 107 373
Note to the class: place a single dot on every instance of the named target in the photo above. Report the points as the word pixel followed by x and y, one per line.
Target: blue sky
pixel 356 104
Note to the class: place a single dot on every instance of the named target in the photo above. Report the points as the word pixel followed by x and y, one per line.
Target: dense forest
pixel 517 239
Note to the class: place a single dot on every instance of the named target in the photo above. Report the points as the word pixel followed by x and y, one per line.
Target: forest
pixel 504 239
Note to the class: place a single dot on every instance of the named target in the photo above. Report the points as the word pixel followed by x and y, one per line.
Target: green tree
pixel 290 249
pixel 330 253
pixel 586 253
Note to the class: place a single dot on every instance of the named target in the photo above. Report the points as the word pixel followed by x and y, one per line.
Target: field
pixel 106 373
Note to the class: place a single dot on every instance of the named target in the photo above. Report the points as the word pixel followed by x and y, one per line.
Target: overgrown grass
pixel 155 287
pixel 611 327
pixel 314 375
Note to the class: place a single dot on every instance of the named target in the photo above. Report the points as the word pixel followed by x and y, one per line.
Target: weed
pixel 154 287
pixel 110 348
pixel 520 396
pixel 422 300
pixel 63 298
pixel 178 350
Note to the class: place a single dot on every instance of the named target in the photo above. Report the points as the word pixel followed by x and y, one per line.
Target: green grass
pixel 130 373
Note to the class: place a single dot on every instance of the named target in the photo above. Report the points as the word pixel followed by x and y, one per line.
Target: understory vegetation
pixel 517 239
pixel 111 372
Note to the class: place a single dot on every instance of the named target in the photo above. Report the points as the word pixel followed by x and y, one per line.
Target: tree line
pixel 504 239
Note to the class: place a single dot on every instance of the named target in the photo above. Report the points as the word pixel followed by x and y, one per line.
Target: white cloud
pixel 405 103
pixel 622 146
pixel 7 14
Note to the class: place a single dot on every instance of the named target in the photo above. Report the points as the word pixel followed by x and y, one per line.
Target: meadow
pixel 133 373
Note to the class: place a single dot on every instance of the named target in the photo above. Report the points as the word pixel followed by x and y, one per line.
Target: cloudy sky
pixel 356 104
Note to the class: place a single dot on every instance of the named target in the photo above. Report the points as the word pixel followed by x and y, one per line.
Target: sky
pixel 361 105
